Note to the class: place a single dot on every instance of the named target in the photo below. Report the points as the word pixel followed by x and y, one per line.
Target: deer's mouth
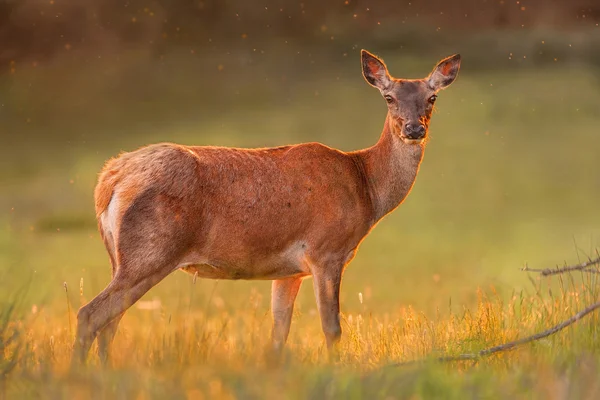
pixel 408 140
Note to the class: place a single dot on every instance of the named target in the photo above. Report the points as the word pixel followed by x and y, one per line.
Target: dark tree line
pixel 35 30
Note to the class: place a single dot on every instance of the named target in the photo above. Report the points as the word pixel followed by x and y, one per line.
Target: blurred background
pixel 511 174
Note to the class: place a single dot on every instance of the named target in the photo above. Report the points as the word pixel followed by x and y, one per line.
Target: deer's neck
pixel 390 169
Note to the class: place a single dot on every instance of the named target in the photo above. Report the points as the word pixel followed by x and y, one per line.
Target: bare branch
pixel 509 345
pixel 587 266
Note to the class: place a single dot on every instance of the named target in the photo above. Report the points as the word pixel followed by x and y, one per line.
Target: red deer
pixel 280 214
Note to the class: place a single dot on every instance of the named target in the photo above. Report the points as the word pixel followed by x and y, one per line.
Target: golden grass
pixel 220 354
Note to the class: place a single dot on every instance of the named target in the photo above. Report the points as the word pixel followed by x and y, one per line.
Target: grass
pixel 215 353
pixel 510 177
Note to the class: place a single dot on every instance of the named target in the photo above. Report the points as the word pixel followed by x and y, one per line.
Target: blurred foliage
pixel 12 332
pixel 38 30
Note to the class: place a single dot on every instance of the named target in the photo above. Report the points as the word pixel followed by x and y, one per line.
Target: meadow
pixel 510 178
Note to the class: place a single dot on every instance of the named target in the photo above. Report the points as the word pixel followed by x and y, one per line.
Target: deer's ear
pixel 374 70
pixel 445 72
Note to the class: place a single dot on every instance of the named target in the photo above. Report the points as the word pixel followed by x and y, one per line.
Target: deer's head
pixel 410 101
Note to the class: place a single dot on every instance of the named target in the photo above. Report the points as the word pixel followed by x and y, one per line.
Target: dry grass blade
pixel 10 347
pixel 584 266
pixel 509 345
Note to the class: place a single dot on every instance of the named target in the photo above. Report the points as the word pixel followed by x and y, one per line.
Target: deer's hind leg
pixel 106 334
pixel 144 256
pixel 104 311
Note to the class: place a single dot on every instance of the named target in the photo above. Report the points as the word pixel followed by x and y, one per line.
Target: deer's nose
pixel 414 131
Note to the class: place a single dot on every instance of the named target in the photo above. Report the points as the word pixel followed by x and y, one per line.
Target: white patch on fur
pixel 412 141
pixel 199 261
pixel 109 217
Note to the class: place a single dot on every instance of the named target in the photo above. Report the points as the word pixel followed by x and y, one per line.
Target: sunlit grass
pixel 214 353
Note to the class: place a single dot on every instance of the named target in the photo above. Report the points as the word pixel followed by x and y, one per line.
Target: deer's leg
pixel 283 295
pixel 327 292
pixel 124 290
pixel 106 336
pixel 144 254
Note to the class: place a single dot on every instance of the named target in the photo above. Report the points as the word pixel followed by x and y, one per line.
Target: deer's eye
pixel 389 98
pixel 432 99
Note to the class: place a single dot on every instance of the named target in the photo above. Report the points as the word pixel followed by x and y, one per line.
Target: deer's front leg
pixel 327 292
pixel 283 295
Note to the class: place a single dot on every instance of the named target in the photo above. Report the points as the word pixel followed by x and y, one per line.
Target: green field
pixel 511 176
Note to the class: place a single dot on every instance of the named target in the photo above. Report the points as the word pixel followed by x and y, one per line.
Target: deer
pixel 281 213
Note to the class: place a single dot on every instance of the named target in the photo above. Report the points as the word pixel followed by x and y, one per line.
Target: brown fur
pixel 281 214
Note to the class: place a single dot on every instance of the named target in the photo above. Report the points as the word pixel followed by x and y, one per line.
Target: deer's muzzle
pixel 414 131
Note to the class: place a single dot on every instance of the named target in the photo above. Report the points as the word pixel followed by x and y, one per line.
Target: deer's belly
pixel 289 263
pixel 233 273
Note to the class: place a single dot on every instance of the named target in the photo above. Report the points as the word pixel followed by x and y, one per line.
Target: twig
pixel 509 345
pixel 210 298
pixel 584 266
pixel 68 307
pixel 192 292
